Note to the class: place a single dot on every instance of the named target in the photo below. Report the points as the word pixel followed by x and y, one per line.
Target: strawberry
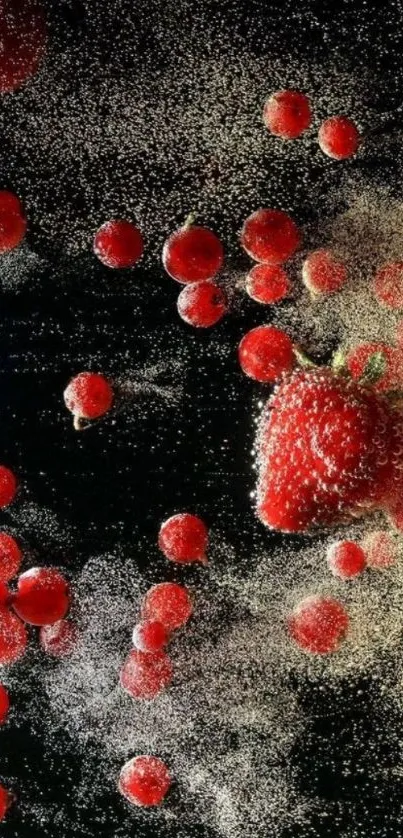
pixel 329 449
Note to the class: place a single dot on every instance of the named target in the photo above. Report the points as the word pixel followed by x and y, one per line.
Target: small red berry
pixel 267 284
pixel 8 486
pixel 4 704
pixel 169 603
pixel 144 781
pixel 58 639
pixel 388 285
pixel 10 557
pixel 270 236
pixel 287 114
pixel 5 800
pixel 144 675
pixel 322 274
pixel 184 538
pixel 201 304
pixel 150 636
pixel 13 637
pixel 318 624
pixel 13 224
pixel 118 244
pixel 22 42
pixel 192 254
pixel 265 354
pixel 339 137
pixel 42 596
pixel 359 356
pixel 380 550
pixel 5 596
pixel 346 559
pixel 88 396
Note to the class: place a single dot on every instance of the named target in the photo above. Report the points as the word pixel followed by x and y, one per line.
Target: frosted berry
pixel 150 636
pixel 22 42
pixel 192 254
pixel 270 236
pixel 144 781
pixel 360 355
pixel 8 486
pixel 322 273
pixel 88 396
pixel 267 284
pixel 380 549
pixel 169 603
pixel 144 675
pixel 13 224
pixel 59 639
pixel 4 704
pixel 266 353
pixel 5 800
pixel 201 304
pixel 184 538
pixel 346 559
pixel 339 137
pixel 318 624
pixel 42 596
pixel 287 114
pixel 13 637
pixel 10 557
pixel 388 285
pixel 118 244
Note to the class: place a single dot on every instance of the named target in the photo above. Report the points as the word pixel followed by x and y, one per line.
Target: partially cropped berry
pixel 270 235
pixel 322 273
pixel 388 285
pixel 59 639
pixel 287 114
pixel 144 675
pixel 267 284
pixel 169 603
pixel 380 549
pixel 4 704
pixel 145 781
pixel 42 596
pixel 265 354
pixel 201 304
pixel 88 396
pixel 318 624
pixel 118 244
pixel 184 538
pixel 10 557
pixel 192 254
pixel 13 224
pixel 8 486
pixel 346 559
pixel 13 637
pixel 339 137
pixel 359 357
pixel 150 636
pixel 5 801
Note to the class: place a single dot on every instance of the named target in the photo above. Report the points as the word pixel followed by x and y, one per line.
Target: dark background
pixel 65 312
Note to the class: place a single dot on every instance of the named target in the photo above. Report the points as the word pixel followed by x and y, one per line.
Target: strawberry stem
pixel 304 360
pixel 374 369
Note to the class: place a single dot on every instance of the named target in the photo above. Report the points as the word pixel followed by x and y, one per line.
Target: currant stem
pixel 78 423
pixel 191 218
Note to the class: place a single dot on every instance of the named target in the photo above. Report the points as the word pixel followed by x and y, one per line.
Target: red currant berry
pixel 388 285
pixel 346 559
pixel 118 244
pixel 169 603
pixel 144 781
pixel 10 557
pixel 270 236
pixel 322 274
pixel 13 637
pixel 201 304
pixel 5 800
pixel 192 254
pixel 380 550
pixel 13 224
pixel 265 354
pixel 318 624
pixel 22 42
pixel 267 284
pixel 5 596
pixel 88 396
pixel 339 138
pixel 184 538
pixel 287 114
pixel 359 356
pixel 4 704
pixel 145 675
pixel 150 636
pixel 58 639
pixel 8 486
pixel 42 596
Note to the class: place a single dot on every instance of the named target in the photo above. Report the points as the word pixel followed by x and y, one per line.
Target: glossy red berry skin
pixel 192 254
pixel 287 114
pixel 13 637
pixel 270 236
pixel 322 273
pixel 169 603
pixel 267 284
pixel 183 538
pixel 118 244
pixel 58 639
pixel 201 304
pixel 42 596
pixel 359 356
pixel 89 395
pixel 13 223
pixel 150 636
pixel 10 557
pixel 144 675
pixel 318 624
pixel 4 704
pixel 265 354
pixel 8 486
pixel 5 800
pixel 339 137
pixel 346 559
pixel 145 781
pixel 388 285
